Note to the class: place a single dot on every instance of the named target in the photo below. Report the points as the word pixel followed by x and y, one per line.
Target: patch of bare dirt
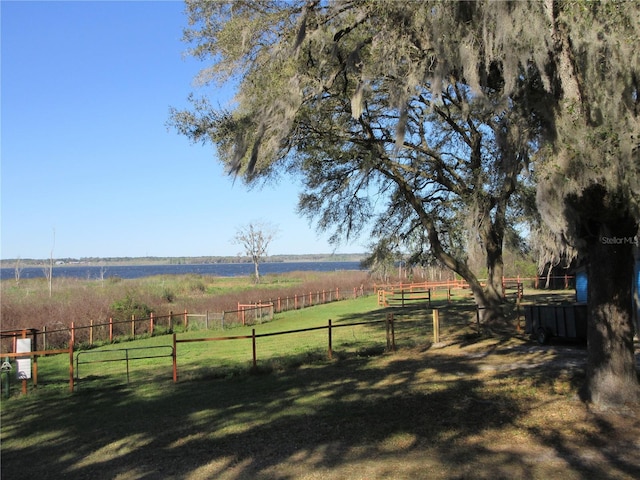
pixel 554 427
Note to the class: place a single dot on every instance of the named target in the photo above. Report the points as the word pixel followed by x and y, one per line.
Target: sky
pixel 89 167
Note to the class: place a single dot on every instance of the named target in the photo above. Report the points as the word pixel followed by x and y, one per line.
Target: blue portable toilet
pixel 581 285
pixel 581 288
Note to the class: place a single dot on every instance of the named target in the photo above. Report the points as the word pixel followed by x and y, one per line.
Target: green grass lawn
pixel 358 329
pixel 106 364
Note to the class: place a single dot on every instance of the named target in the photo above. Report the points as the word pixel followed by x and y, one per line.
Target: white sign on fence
pixel 23 370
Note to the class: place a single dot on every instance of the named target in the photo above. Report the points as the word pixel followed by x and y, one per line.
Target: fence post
pixel 253 345
pixel 170 321
pixel 35 359
pixel 186 320
pixel 151 325
pixel 175 360
pixel 91 332
pixel 330 341
pixel 110 329
pixel 387 325
pixel 71 363
pixel 44 337
pixel 133 326
pixel 24 381
pixel 393 333
pixel 126 357
pixel 436 326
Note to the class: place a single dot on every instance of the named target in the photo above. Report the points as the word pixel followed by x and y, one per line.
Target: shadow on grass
pixel 416 415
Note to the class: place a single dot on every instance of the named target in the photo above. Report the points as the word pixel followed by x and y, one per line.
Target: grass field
pixel 470 407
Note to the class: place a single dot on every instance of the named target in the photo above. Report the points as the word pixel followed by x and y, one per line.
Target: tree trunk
pixel 547 284
pixel 612 378
pixel 495 271
pixel 491 298
pixel 256 269
pixel 489 306
pixel 488 303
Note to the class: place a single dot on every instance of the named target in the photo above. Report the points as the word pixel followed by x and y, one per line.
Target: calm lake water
pixel 215 269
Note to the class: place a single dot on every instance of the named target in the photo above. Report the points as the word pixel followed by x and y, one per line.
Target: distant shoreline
pixel 202 260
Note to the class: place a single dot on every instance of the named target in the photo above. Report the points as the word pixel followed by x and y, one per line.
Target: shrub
pixel 168 295
pixel 127 307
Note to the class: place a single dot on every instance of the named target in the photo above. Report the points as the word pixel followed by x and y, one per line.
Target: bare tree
pixel 18 269
pixel 255 239
pixel 48 269
pixel 102 272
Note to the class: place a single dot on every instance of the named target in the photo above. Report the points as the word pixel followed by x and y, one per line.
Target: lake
pixel 139 271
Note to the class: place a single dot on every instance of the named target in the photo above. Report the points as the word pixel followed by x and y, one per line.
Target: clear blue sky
pixel 86 91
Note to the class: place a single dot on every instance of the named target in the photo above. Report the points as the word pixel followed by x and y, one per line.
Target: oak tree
pixel 347 93
pixel 370 140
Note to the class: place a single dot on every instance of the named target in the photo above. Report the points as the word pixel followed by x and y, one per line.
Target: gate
pixel 125 355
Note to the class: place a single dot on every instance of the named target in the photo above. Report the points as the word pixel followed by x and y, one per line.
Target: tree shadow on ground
pixel 416 414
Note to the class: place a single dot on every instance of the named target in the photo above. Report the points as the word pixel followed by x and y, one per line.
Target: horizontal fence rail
pixel 558 281
pixel 403 294
pixel 34 366
pixel 125 355
pixel 390 338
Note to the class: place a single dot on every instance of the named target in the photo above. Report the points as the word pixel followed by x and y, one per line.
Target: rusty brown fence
pixel 111 330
